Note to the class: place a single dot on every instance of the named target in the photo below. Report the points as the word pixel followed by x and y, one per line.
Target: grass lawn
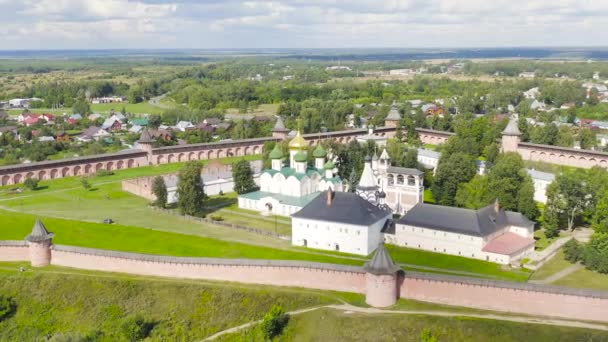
pixel 142 240
pixel 584 278
pixel 428 196
pixel 456 263
pixel 268 109
pixel 63 302
pixel 554 265
pixel 333 325
pixel 135 108
pixel 542 241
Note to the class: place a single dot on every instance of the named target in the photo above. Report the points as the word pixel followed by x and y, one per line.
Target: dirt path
pixel 558 275
pixel 347 308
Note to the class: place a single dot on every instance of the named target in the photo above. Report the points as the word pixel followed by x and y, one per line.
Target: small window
pixel 444 250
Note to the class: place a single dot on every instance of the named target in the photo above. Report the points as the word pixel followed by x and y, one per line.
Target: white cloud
pixel 300 23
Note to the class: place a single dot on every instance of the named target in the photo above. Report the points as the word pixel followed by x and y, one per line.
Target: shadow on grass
pixel 44 187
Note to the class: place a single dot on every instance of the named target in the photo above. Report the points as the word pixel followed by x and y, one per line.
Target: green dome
pixel 300 157
pixel 329 165
pixel 319 152
pixel 276 153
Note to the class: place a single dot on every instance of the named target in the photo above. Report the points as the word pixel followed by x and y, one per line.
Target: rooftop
pixel 381 263
pixel 481 222
pixel 39 233
pixel 289 200
pixel 345 207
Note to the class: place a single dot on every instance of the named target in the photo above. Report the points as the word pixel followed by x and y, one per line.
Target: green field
pixel 554 265
pixel 58 302
pixel 332 325
pixel 455 263
pixel 586 279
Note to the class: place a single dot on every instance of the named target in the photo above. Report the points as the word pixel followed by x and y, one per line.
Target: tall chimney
pixel 330 197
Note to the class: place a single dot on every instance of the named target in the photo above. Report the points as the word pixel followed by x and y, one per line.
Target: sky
pixel 213 24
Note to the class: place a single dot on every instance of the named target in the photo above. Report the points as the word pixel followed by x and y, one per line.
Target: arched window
pixel 411 180
pixel 400 179
pixel 391 179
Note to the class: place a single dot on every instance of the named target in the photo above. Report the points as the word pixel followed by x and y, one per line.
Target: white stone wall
pixel 443 242
pixel 278 208
pixel 348 238
pixel 540 190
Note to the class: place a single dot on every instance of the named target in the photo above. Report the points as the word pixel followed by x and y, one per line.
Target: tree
pixel 31 183
pixel 274 322
pixel 243 177
pixel 568 197
pixel 453 170
pixel 525 201
pixel 84 181
pixel 586 138
pixel 474 194
pixel 491 153
pixel 410 158
pixel 190 192
pixel 505 179
pixel 159 189
pixel 81 106
pixel 399 132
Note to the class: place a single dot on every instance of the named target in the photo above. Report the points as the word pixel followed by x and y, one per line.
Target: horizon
pixel 240 24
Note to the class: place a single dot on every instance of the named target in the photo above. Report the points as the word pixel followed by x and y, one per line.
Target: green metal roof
pixel 329 165
pixel 140 122
pixel 289 200
pixel 319 152
pixel 276 152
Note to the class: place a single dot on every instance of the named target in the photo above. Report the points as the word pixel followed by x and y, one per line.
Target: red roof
pixel 508 244
pixel 31 120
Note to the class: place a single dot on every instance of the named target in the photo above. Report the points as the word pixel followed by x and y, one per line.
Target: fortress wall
pixel 266 272
pixel 510 297
pixel 141 187
pixel 14 251
pixel 562 155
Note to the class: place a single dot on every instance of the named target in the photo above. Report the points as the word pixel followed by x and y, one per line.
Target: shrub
pixel 85 183
pixel 104 173
pixel 136 328
pixel 573 251
pixel 7 307
pixel 31 183
pixel 217 218
pixel 274 322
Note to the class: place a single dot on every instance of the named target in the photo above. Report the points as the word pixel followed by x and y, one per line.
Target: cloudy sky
pixel 101 24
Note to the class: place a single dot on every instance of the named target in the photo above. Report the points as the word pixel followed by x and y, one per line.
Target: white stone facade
pixel 333 236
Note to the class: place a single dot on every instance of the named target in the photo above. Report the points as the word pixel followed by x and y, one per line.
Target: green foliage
pixel 7 307
pixel 190 193
pixel 159 189
pixel 474 194
pixel 31 183
pixel 453 170
pixel 81 106
pixel 104 173
pixel 84 181
pixel 427 336
pixel 573 251
pixel 242 175
pixel 136 328
pixel 274 322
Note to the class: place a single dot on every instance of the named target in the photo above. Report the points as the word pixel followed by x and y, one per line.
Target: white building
pixel 398 187
pixel 541 181
pixel 490 233
pixel 428 158
pixel 340 221
pixel 401 72
pixel 527 74
pixel 285 190
pixel 532 93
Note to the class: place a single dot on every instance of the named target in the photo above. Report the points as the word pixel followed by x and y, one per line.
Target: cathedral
pixel 285 189
pixel 397 188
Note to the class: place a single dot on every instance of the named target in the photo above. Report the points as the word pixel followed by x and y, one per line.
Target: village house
pixel 111 125
pixel 108 99
pixel 93 133
pixel 184 126
pixel 63 137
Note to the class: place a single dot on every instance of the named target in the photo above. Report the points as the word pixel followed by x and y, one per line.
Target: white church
pixel 286 189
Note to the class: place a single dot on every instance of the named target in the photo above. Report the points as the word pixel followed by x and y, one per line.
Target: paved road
pixel 347 308
pixel 156 102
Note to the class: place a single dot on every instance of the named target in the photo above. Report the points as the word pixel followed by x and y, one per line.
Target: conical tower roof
pixel 367 181
pixel 145 137
pixel 279 126
pixel 384 155
pixel 512 128
pixel 393 115
pixel 39 233
pixel 381 263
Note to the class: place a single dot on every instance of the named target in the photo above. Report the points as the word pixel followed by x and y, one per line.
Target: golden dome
pixel 298 142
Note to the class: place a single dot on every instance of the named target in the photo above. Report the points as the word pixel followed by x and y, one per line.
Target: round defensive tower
pixel 40 242
pixel 381 279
